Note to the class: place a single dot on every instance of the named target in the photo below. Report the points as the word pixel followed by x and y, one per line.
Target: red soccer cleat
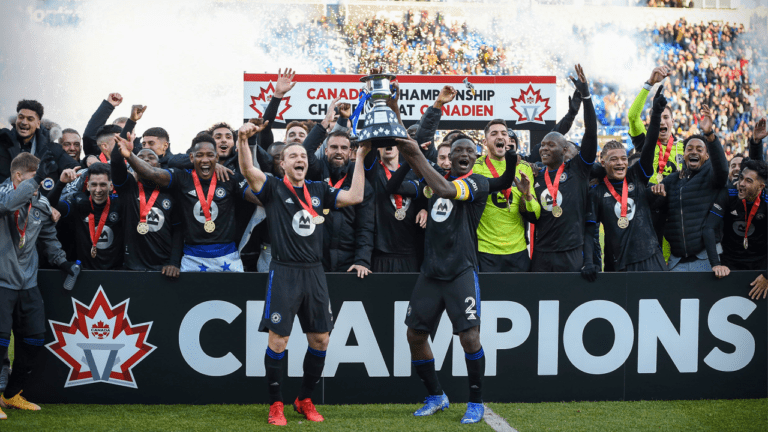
pixel 307 408
pixel 276 416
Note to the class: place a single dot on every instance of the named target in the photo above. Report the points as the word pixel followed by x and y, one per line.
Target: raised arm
pixel 117 165
pixel 395 183
pixel 589 142
pixel 253 175
pixel 158 176
pixel 756 142
pixel 565 123
pixel 356 191
pixel 715 149
pixel 646 155
pixel 283 85
pixel 99 119
pixel 412 154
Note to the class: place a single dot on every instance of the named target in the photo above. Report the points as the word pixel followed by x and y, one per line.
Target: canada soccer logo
pixel 100 344
pixel 530 106
pixel 259 103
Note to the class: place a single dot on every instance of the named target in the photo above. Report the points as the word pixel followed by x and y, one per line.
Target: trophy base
pixel 383 143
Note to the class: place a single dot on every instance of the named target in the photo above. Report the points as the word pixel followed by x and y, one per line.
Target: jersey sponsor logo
pixel 315 202
pixel 167 204
pixel 472 182
pixel 155 219
pixel 546 200
pixel 289 201
pixel 630 209
pixel 536 185
pixel 100 344
pixel 302 223
pixel 607 195
pixel 441 209
pixel 740 226
pixel 106 238
pixel 275 318
pixel 735 213
pixel 220 192
pixel 197 212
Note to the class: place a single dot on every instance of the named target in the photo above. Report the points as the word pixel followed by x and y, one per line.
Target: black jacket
pixel 10 147
pixel 99 119
pixel 348 235
pixel 689 197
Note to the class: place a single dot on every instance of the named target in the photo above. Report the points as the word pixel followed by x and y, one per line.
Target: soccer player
pixel 688 196
pixel 620 202
pixel 448 277
pixel 296 279
pixel 25 218
pixel 562 187
pixel 501 233
pixel 755 153
pixel 741 216
pixel 206 203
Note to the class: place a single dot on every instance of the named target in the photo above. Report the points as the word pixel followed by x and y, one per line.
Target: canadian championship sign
pixel 546 337
pixel 525 102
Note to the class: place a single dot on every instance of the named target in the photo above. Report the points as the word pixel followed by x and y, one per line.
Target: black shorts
pixel 460 297
pixel 562 261
pixel 296 289
pixel 512 263
pixel 22 311
pixel 386 263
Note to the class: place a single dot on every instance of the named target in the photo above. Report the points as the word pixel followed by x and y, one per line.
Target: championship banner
pixel 525 102
pixel 138 337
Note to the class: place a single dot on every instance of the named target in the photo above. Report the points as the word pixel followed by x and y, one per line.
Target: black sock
pixel 314 362
pixel 426 371
pixel 274 363
pixel 28 352
pixel 475 370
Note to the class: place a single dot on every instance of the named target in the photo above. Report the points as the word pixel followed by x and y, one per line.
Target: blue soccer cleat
pixel 432 404
pixel 474 413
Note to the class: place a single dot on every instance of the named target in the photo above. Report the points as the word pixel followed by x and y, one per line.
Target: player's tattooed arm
pixel 158 176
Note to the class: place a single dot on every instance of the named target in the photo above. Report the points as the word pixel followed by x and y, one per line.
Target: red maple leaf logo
pixel 532 105
pixel 259 104
pixel 75 344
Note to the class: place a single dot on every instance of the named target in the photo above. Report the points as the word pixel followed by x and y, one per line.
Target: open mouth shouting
pixel 206 168
pixel 693 161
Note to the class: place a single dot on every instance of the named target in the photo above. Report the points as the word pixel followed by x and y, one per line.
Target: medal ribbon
pixel 664 157
pixel 338 184
pixel 490 166
pixel 307 198
pixel 96 233
pixel 205 204
pixel 398 198
pixel 459 178
pixel 553 188
pixel 752 212
pixel 103 158
pixel 624 195
pixel 23 231
pixel 145 206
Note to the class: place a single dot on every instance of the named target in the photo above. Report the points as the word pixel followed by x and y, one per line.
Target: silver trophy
pixel 381 126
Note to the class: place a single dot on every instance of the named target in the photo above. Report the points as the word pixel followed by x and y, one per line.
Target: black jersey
pixel 566 232
pixel 450 245
pixel 152 250
pixel 730 208
pixel 76 211
pixel 392 236
pixel 222 208
pixel 638 241
pixel 294 237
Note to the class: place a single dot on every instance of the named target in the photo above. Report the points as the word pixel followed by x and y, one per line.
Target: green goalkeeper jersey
pixel 502 229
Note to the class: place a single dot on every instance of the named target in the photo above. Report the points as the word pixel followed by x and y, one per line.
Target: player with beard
pixel 620 201
pixel 154 236
pixel 741 216
pixel 687 197
pixel 97 217
pixel 501 233
pixel 296 279
pixel 448 278
pixel 207 205
pixel 71 143
pixel 26 221
pixel 562 185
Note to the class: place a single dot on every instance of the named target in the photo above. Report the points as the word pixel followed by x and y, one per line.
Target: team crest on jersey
pixel 113 217
pixel 47 184
pixel 315 202
pixel 167 204
pixel 563 177
pixel 275 318
pixel 220 192
pixel 441 209
pixel 679 159
pixel 36 214
pixel 100 344
pixel 759 216
pixel 302 223
pixel 630 187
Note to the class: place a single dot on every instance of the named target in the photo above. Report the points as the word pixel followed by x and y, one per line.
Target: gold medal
pixel 317 220
pixel 326 211
pixel 209 226
pixel 400 214
pixel 142 228
pixel 557 211
pixel 746 243
pixel 93 251
pixel 623 222
pixel 659 177
pixel 22 241
pixel 428 192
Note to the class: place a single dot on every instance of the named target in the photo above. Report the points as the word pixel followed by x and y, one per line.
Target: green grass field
pixel 715 415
